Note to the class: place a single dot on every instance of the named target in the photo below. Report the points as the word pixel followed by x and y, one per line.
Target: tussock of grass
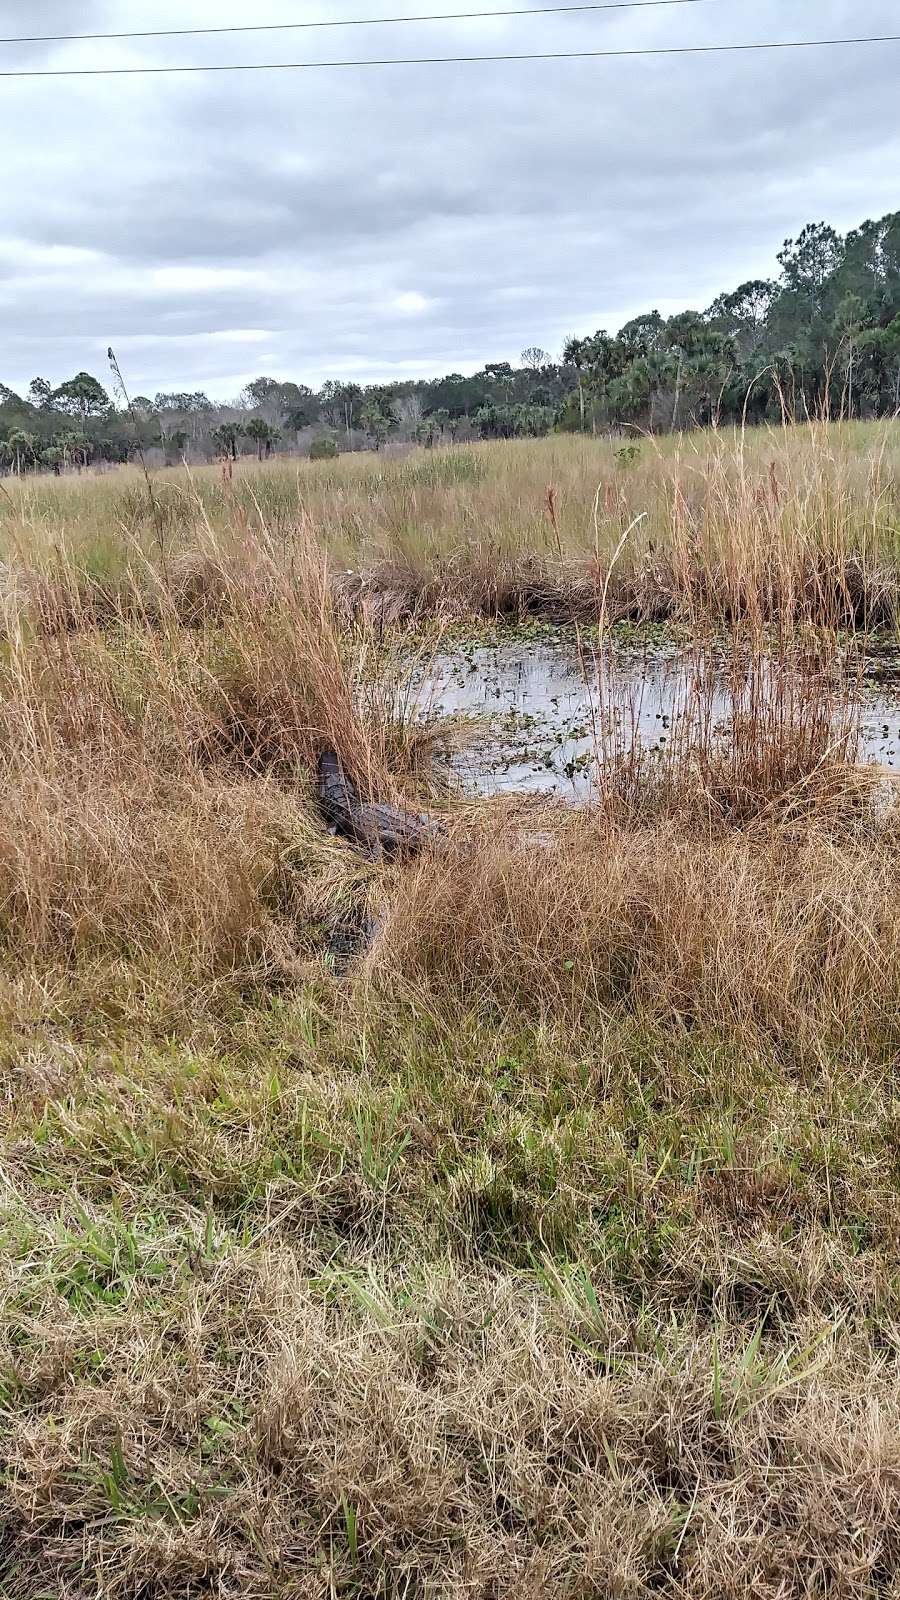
pixel 785 933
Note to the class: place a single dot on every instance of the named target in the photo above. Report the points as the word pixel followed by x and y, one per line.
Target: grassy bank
pixel 553 1250
pixel 554 1253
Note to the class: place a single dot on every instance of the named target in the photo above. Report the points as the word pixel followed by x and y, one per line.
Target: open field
pixel 799 522
pixel 553 1250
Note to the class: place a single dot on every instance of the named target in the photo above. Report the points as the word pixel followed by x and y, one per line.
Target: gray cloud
pixel 417 219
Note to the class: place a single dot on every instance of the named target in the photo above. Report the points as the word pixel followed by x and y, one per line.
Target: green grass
pixel 326 1280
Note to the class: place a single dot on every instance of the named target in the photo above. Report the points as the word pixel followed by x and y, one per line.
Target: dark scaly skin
pixel 378 827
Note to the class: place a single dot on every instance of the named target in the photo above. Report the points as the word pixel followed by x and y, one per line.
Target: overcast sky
pixel 413 220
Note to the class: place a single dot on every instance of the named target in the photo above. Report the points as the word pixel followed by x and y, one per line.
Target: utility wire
pixel 435 61
pixel 348 22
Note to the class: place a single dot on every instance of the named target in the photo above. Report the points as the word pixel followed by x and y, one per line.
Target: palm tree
pixel 262 433
pixel 71 446
pixel 22 446
pixel 575 354
pixel 225 439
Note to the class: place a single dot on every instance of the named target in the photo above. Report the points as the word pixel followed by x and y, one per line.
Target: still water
pixel 541 709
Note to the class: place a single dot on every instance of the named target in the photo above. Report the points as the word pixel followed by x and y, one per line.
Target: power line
pixel 347 22
pixel 436 61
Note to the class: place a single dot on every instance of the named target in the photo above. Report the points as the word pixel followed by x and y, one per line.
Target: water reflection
pixel 544 710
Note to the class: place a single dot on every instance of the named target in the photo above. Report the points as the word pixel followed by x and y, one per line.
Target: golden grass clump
pixel 785 933
pixel 158 783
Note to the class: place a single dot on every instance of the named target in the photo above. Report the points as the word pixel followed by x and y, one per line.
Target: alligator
pixel 349 936
pixel 380 829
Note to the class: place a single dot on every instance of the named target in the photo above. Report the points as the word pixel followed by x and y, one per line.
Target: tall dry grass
pixel 794 523
pixel 782 932
pixel 157 770
pixel 158 777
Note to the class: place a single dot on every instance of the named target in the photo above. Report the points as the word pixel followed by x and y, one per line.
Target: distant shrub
pixel 323 449
pixel 627 454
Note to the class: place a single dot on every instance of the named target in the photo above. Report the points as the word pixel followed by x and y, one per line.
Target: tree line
pixel 823 338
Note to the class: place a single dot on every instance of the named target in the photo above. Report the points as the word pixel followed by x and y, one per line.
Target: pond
pixel 542 708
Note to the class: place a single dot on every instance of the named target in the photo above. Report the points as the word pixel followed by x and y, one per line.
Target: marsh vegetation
pixel 551 1250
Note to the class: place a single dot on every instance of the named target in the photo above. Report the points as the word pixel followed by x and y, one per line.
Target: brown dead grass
pixel 478 1440
pixel 777 931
